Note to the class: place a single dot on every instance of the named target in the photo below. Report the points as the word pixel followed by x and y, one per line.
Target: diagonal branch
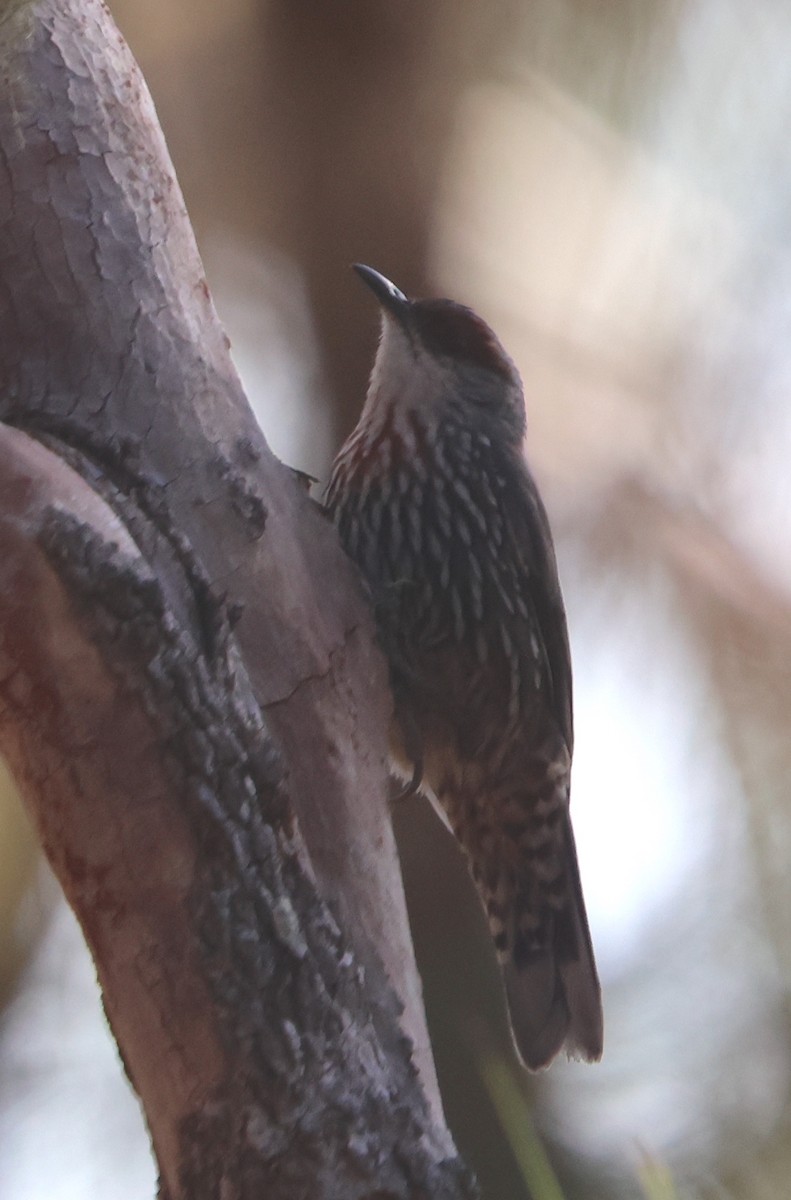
pixel 240 900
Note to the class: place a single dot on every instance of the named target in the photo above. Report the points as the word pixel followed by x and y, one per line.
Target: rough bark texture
pixel 213 801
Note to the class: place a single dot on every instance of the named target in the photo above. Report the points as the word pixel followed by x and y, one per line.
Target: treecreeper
pixel 434 502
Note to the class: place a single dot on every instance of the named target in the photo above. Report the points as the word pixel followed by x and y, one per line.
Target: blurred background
pixel 609 184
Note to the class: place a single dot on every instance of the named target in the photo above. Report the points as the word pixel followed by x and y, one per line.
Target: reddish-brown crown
pixel 455 331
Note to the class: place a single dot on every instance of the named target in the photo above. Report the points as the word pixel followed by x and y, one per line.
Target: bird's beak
pixel 391 299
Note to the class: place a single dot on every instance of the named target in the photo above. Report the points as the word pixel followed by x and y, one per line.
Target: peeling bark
pixel 190 695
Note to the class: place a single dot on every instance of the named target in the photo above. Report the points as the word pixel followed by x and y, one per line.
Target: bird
pixel 434 502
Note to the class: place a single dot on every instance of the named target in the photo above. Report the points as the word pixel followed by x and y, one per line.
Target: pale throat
pixel 406 383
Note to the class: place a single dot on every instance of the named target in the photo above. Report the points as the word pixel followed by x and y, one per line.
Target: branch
pixel 240 900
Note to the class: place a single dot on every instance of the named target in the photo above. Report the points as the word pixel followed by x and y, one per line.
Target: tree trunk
pixel 190 695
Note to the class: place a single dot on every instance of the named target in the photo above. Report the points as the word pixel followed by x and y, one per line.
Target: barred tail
pixel 553 993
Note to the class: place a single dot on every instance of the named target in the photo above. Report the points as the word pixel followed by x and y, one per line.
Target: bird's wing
pixel 541 590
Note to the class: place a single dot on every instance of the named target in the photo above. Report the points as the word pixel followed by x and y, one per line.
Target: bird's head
pixel 436 355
